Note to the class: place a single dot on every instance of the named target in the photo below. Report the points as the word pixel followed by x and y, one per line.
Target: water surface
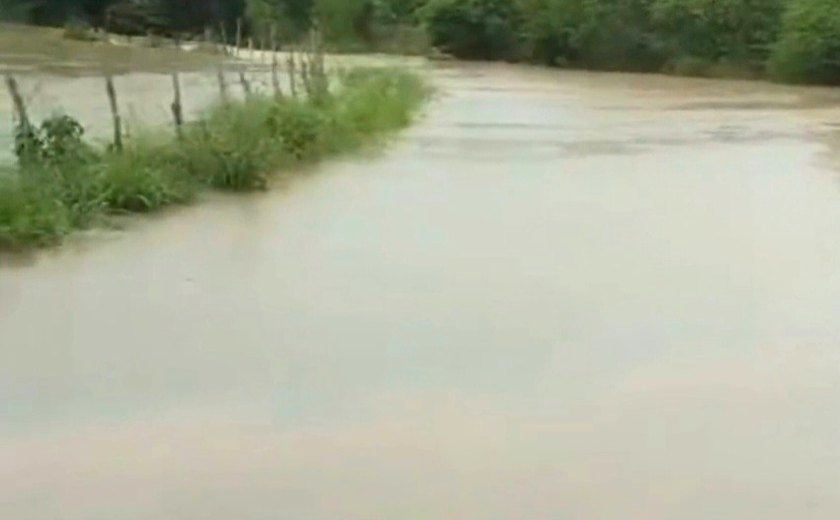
pixel 560 295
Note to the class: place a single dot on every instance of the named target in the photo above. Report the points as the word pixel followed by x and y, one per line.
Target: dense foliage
pixel 809 47
pixel 484 29
pixel 795 40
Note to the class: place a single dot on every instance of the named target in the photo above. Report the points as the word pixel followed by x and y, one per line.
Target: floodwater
pixel 559 296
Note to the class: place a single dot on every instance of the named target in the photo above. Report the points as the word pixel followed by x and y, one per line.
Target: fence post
pixel 177 110
pixel 17 99
pixel 290 63
pixel 220 75
pixel 246 87
pixel 223 34
pixel 275 77
pixel 238 36
pixel 115 113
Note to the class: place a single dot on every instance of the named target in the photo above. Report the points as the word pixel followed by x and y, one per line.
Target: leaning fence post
pixel 115 113
pixel 177 110
pixel 17 99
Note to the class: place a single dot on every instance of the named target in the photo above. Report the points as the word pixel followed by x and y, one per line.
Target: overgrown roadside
pixel 64 184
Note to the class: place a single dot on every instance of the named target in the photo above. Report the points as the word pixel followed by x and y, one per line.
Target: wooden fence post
pixel 177 109
pixel 220 75
pixel 17 100
pixel 115 113
pixel 275 76
pixel 246 87
pixel 290 64
pixel 223 34
pixel 238 36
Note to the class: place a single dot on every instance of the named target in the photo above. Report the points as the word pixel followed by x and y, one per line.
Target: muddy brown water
pixel 560 295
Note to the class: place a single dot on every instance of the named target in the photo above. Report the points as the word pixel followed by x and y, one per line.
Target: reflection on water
pixel 554 298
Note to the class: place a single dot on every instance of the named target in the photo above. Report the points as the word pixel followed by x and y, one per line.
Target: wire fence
pixel 112 108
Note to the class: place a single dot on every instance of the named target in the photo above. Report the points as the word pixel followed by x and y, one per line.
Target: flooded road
pixel 560 295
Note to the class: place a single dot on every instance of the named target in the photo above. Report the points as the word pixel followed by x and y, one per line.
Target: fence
pixel 286 73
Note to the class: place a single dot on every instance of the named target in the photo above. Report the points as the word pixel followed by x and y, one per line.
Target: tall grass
pixel 236 146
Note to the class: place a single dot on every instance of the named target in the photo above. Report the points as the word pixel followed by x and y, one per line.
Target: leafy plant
pixel 57 141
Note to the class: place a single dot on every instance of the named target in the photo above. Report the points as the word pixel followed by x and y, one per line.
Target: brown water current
pixel 559 296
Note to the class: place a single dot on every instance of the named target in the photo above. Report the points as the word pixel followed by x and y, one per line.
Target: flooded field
pixel 560 295
pixel 67 77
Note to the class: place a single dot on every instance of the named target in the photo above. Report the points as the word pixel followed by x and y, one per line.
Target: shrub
pixel 58 141
pixel 809 47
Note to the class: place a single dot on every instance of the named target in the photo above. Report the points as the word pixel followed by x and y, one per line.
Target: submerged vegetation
pixel 63 184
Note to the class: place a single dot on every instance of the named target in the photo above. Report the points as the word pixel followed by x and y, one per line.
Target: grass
pixel 236 146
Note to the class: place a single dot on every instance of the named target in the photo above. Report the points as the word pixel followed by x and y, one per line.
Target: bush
pixel 809 47
pixel 57 141
pixel 473 29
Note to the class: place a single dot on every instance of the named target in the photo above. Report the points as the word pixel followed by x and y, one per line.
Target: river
pixel 560 295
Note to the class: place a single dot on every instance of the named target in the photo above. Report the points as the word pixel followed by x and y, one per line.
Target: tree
pixel 474 29
pixel 809 47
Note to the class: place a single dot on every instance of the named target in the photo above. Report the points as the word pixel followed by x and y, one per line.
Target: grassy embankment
pixel 64 184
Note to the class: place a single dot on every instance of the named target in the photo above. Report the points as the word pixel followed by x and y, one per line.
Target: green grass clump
pixel 231 149
pixel 63 184
pixel 30 215
pixel 140 179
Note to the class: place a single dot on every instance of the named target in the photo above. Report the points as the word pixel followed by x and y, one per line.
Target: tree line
pixel 792 40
